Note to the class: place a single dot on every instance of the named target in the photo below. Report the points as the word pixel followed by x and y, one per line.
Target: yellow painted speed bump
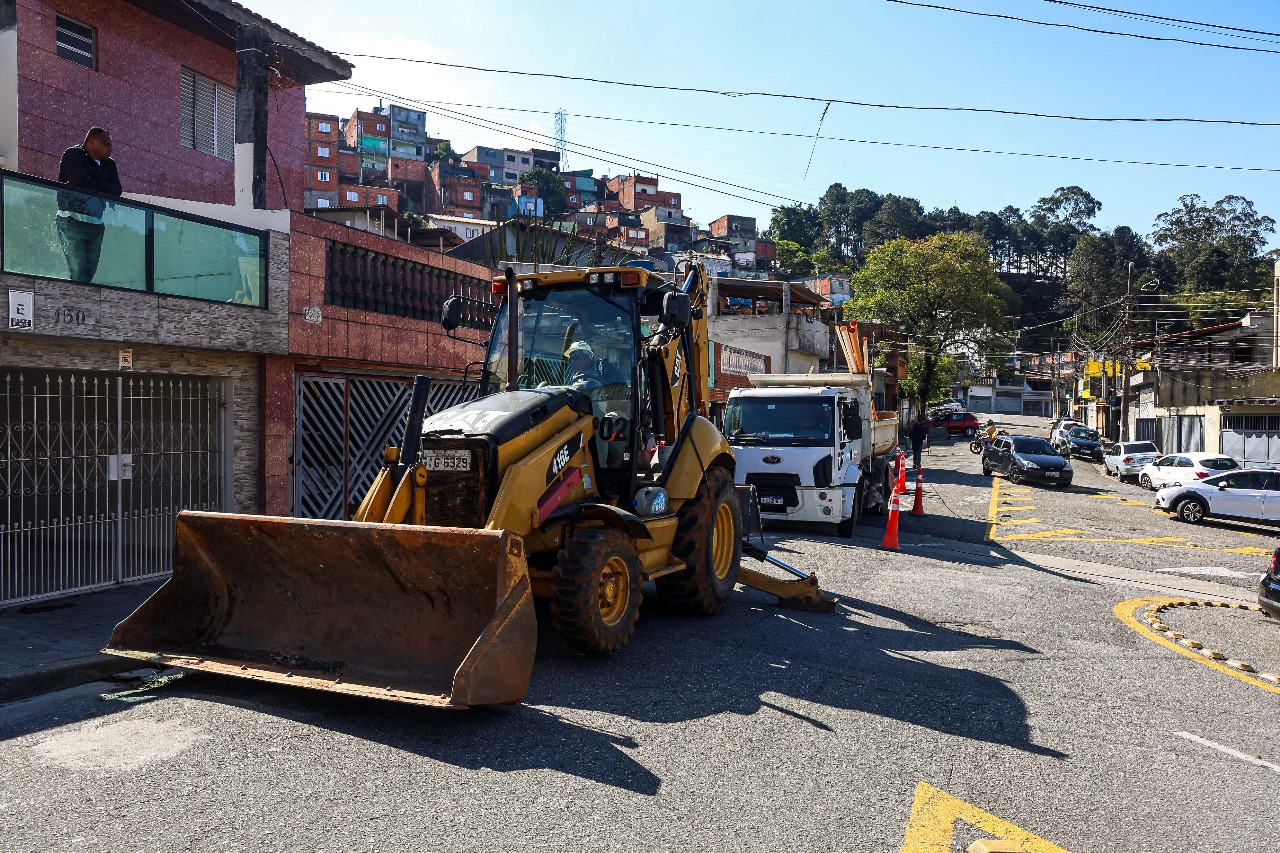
pixel 932 825
pixel 1127 612
pixel 1018 521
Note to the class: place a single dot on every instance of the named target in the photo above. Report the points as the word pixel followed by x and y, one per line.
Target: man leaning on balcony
pixel 87 167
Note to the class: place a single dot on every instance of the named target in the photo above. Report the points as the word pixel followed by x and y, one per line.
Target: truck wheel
pixel 709 540
pixel 595 590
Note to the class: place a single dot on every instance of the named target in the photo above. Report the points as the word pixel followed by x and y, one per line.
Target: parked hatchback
pixel 1184 468
pixel 1252 495
pixel 1128 458
pixel 1025 457
pixel 958 423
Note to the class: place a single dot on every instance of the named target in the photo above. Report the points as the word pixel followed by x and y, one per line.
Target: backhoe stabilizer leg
pixel 801 594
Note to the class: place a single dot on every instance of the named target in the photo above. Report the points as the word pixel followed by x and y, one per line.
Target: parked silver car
pixel 1126 459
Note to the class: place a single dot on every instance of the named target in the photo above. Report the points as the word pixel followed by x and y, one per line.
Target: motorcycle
pixel 979 444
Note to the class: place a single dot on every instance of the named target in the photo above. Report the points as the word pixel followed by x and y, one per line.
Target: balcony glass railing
pixel 52 232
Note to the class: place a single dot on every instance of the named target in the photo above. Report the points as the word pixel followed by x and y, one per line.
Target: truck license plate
pixel 447 460
pixel 1051 473
pixel 770 500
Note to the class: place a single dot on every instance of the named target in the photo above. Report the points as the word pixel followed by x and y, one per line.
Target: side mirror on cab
pixel 451 315
pixel 852 421
pixel 676 310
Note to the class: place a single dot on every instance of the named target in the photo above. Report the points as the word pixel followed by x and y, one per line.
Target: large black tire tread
pixel 696 589
pixel 576 597
pixel 845 529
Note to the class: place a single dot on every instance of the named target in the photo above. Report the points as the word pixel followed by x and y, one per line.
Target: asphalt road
pixel 966 682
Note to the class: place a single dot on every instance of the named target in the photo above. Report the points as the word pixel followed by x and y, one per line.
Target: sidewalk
pixel 52 645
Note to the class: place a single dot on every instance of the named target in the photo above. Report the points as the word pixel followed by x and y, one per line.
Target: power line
pixel 729 93
pixel 915 145
pixel 1083 29
pixel 1161 18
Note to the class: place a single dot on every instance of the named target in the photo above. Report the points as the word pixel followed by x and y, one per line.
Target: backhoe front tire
pixel 595 590
pixel 709 541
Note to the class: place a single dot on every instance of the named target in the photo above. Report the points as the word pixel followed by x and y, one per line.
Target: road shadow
pixel 754 657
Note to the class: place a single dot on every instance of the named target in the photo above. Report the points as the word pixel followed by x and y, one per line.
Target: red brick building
pixel 146 67
pixel 634 192
pixel 320 184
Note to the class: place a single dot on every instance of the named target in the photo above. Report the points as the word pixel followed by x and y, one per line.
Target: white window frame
pixel 381 199
pixel 322 151
pixel 468 195
pixel 322 202
pixel 353 196
pixel 322 176
pixel 207 122
pixel 324 127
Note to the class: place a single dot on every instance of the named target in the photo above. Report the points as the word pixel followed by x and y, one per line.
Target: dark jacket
pixel 80 171
pixel 919 432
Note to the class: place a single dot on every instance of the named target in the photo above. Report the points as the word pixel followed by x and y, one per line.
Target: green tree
pixel 941 291
pixel 1213 248
pixel 550 186
pixel 793 261
pixel 1060 219
pixel 796 223
pixel 444 152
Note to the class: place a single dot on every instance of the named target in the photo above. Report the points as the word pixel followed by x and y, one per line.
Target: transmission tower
pixel 561 117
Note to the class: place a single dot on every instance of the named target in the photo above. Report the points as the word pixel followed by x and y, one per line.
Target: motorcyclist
pixel 991 430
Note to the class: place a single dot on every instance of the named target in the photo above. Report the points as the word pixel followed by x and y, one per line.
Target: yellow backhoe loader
pixel 585 468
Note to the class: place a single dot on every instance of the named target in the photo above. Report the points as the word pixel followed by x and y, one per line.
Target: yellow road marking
pixel 1043 534
pixel 1018 521
pixel 1014 491
pixel 1005 500
pixel 1106 497
pixel 1015 509
pixel 933 823
pixel 1161 541
pixel 991 509
pixel 1124 612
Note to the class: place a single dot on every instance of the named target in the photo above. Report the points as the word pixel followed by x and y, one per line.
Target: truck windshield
pixel 581 338
pixel 804 421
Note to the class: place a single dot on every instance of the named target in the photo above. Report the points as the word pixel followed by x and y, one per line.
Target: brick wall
pixel 365 336
pixel 29 350
pixel 136 93
pixel 367 196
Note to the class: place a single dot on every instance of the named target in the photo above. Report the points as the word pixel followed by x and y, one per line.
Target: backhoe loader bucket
pixel 428 615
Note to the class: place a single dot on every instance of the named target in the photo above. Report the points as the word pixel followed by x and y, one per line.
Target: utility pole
pixel 1126 354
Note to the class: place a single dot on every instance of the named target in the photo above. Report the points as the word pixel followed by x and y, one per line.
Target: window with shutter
pixel 76 42
pixel 208 115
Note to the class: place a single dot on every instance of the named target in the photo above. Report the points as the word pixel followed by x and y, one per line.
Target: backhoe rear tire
pixel 709 540
pixel 595 590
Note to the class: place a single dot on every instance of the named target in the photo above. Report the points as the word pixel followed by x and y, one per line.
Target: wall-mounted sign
pixel 21 309
pixel 311 315
pixel 126 359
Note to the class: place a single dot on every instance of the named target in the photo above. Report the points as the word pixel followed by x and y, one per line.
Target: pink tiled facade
pixel 136 93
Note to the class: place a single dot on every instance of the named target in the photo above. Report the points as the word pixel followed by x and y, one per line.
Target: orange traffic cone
pixel 901 486
pixel 890 541
pixel 918 509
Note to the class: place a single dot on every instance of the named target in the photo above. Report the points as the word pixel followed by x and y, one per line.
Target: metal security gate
pixel 1182 434
pixel 1252 439
pixel 343 423
pixel 94 469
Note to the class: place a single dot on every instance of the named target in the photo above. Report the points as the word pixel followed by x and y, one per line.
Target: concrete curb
pixel 59 675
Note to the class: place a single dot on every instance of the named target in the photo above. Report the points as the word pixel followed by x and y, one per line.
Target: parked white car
pixel 1184 468
pixel 1247 494
pixel 1128 458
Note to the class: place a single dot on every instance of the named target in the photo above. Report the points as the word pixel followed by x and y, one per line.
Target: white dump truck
pixel 813 446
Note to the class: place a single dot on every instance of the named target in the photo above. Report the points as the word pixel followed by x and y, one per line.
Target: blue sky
pixel 866 50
